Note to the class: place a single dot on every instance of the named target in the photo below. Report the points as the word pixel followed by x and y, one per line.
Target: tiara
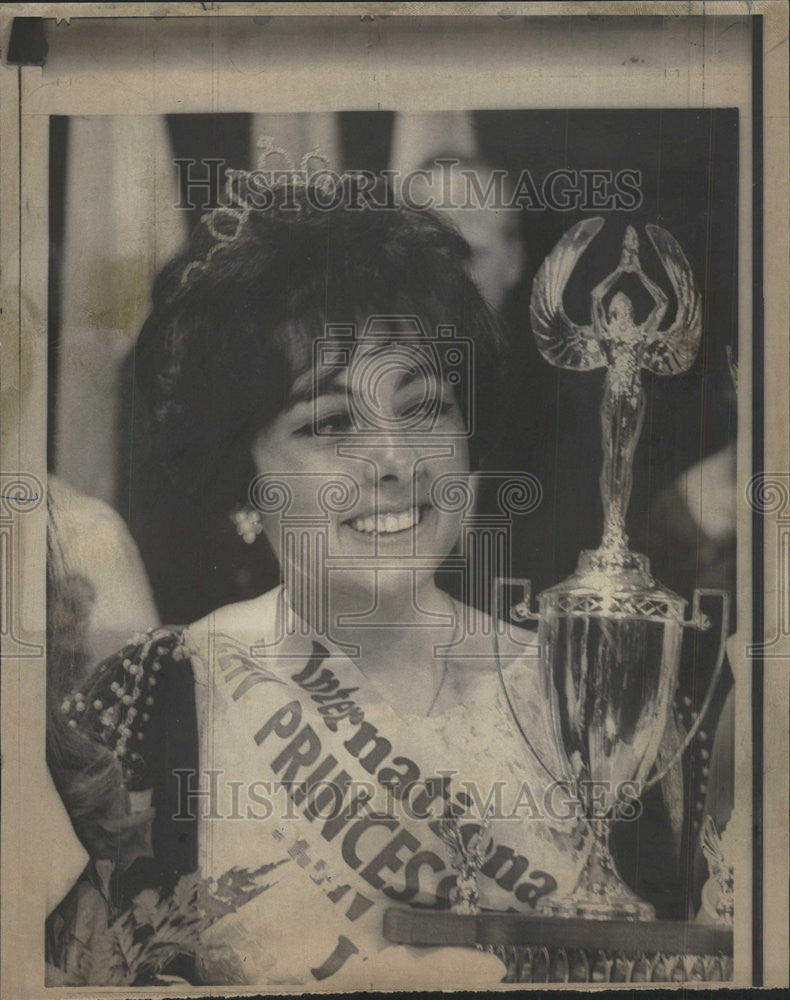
pixel 275 174
pixel 268 151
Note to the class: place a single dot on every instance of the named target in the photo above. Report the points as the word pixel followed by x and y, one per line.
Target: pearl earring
pixel 248 523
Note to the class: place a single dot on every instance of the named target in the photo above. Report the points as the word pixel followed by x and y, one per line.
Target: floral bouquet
pixel 136 947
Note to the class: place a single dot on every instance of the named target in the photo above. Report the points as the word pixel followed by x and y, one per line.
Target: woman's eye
pixel 331 423
pixel 430 408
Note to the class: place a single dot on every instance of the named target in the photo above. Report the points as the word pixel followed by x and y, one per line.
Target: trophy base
pixel 599 893
pixel 578 908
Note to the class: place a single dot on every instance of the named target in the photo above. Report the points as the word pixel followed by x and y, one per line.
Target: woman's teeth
pixel 386 524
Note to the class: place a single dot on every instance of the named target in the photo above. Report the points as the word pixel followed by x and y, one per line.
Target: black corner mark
pixel 27 45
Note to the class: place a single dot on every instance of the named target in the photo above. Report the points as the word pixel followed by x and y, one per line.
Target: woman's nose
pixel 392 459
pixel 386 459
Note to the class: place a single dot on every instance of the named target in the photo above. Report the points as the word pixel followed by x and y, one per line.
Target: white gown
pixel 355 830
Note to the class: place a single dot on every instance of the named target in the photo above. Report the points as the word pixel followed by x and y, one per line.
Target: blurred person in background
pixel 496 252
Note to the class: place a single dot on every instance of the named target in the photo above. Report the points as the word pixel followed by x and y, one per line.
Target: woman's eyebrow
pixel 329 384
pixel 322 385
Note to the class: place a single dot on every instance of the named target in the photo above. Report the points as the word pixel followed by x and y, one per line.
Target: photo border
pixel 769 171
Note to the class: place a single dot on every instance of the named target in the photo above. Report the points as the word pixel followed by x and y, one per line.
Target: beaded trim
pixel 115 706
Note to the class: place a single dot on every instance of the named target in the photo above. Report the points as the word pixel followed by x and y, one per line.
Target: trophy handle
pixel 520 611
pixel 700 621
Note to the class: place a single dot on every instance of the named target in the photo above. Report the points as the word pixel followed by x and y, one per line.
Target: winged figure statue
pixel 613 339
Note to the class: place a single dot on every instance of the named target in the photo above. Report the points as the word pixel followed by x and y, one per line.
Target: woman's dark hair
pixel 235 316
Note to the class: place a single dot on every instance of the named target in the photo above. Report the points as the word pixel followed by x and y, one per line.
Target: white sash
pixel 310 769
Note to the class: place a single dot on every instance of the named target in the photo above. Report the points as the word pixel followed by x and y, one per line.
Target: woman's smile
pixel 392 471
pixel 390 522
pixel 399 530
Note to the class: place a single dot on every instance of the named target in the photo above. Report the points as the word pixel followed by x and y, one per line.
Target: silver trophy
pixel 610 635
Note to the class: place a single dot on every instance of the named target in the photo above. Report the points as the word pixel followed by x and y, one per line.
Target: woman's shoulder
pixel 241 615
pixel 245 622
pixel 148 657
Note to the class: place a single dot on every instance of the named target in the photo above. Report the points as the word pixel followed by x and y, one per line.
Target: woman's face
pixel 386 426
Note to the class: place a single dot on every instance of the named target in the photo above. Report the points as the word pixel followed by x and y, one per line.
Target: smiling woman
pixel 240 319
pixel 331 367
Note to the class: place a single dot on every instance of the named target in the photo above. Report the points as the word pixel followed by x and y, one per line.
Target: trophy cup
pixel 610 635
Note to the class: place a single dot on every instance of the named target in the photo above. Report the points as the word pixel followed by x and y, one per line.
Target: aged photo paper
pixel 394 497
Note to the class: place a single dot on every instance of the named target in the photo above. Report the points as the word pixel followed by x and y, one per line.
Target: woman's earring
pixel 248 523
